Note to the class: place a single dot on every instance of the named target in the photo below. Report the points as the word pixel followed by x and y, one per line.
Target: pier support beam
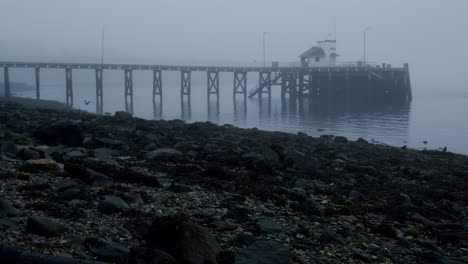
pixel 264 84
pixel 38 82
pixel 99 92
pixel 240 87
pixel 69 87
pixel 6 76
pixel 304 85
pixel 129 91
pixel 185 84
pixel 213 87
pixel 157 91
pixel 409 93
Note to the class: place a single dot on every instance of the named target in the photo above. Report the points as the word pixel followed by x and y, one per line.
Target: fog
pixel 430 35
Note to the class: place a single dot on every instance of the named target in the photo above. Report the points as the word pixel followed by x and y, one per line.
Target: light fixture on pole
pixel 102 45
pixel 364 55
pixel 264 47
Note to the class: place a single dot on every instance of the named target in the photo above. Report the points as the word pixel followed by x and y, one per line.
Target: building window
pixel 317 59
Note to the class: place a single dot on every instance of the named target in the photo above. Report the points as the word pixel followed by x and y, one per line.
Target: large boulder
pixel 67 132
pixel 187 241
pixel 45 226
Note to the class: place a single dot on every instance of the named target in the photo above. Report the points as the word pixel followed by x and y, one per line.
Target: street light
pixel 102 45
pixel 365 31
pixel 264 53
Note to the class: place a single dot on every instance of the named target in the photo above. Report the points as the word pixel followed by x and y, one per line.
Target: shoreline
pixel 114 186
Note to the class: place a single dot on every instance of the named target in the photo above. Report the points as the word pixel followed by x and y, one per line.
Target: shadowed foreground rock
pixel 187 241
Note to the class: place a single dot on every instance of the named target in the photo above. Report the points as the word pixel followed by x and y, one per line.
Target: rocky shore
pixel 117 189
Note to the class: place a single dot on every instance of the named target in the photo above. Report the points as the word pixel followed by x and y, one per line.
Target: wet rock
pixel 8 149
pixel 163 154
pixel 106 249
pixel 264 252
pixel 28 153
pixel 329 236
pixel 45 226
pixel 187 241
pixel 6 209
pixel 75 203
pixel 180 188
pixel 40 165
pixel 340 139
pixel 112 204
pixel 67 132
pixel 98 179
pixel 141 175
pixel 123 116
pixel 74 193
pixel 132 198
pixel 74 154
pixel 268 226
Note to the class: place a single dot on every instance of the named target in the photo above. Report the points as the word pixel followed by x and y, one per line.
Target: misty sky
pixel 431 35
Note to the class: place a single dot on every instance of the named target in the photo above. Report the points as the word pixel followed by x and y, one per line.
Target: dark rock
pixel 105 248
pixel 112 204
pixel 98 179
pixel 75 203
pixel 163 154
pixel 340 139
pixel 6 209
pixel 45 226
pixel 142 176
pixel 263 252
pixel 180 188
pixel 123 116
pixel 66 132
pixel 8 149
pixel 131 198
pixel 74 193
pixel 329 236
pixel 28 153
pixel 184 239
pixel 40 165
pixel 268 226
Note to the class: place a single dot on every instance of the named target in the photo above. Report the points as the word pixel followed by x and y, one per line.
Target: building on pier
pixel 322 55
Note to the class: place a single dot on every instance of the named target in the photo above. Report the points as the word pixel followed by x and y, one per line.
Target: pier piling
pixel 69 86
pixel 129 90
pixel 99 91
pixel 38 84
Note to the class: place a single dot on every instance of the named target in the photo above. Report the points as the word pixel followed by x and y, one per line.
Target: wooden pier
pixel 315 84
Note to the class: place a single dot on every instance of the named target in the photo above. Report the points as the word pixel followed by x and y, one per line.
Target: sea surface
pixel 433 120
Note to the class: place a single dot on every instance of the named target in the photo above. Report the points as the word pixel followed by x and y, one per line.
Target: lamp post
pixel 264 52
pixel 102 45
pixel 364 57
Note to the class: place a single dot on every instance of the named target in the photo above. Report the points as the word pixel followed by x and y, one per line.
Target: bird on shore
pixel 87 102
pixel 404 147
pixel 444 149
pixel 424 142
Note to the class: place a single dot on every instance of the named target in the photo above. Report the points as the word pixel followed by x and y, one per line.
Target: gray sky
pixel 432 35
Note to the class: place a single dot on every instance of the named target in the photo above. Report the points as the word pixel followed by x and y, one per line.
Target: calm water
pixel 436 117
